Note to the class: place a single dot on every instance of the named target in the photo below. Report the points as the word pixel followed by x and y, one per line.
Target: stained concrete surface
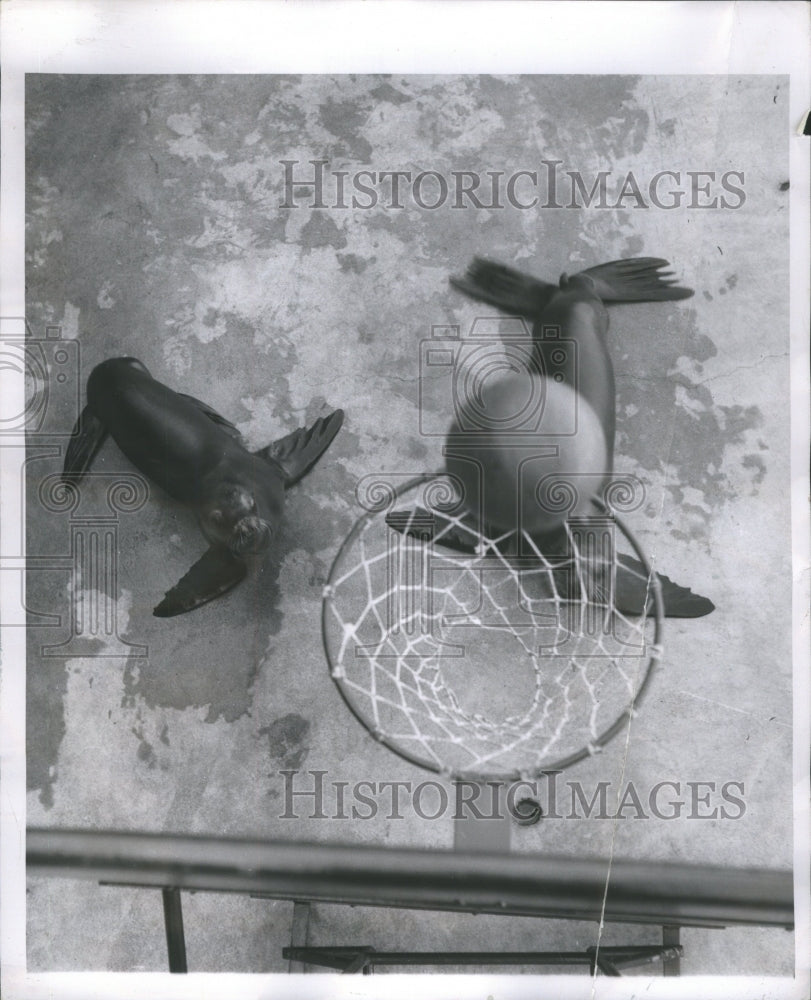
pixel 155 229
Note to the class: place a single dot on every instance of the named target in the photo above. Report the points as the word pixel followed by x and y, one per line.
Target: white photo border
pixel 414 36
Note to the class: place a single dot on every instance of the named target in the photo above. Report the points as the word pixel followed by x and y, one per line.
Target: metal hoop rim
pixel 479 776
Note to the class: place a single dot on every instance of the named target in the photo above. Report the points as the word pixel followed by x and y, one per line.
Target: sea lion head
pixel 231 518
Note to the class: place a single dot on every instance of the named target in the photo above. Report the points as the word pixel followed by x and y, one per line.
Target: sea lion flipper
pixel 298 451
pixel 504 287
pixel 212 415
pixel 637 279
pixel 88 436
pixel 632 593
pixel 214 573
pixel 459 535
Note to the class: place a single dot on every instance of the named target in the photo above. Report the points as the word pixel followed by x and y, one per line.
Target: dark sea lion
pixel 198 458
pixel 576 307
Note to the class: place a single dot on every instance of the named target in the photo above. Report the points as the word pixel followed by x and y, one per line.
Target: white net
pixel 484 657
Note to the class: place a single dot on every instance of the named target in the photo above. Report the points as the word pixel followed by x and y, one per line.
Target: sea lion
pixel 499 471
pixel 576 309
pixel 198 458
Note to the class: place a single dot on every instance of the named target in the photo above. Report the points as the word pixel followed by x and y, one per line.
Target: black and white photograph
pixel 405 524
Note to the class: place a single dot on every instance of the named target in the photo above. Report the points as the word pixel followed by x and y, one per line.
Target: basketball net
pixel 499 663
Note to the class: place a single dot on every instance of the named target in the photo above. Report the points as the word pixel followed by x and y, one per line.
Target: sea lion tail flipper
pixel 510 290
pixel 298 451
pixel 432 527
pixel 638 279
pixel 215 573
pixel 88 436
pixel 212 415
pixel 632 593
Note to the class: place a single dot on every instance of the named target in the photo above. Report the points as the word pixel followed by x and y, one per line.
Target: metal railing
pixel 667 894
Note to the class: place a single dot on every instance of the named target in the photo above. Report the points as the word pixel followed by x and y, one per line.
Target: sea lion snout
pixel 232 520
pixel 251 536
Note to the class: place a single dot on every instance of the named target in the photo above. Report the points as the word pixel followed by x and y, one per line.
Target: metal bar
pixel 632 952
pixel 671 939
pixel 349 958
pixel 530 885
pixel 326 957
pixel 540 910
pixel 354 958
pixel 173 922
pixel 298 932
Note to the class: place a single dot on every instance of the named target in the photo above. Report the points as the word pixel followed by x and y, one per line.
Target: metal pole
pixel 671 940
pixel 173 922
pixel 484 882
pixel 299 933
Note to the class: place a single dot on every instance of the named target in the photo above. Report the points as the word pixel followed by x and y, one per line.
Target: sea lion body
pixel 172 440
pixel 574 312
pixel 197 457
pixel 503 470
pixel 570 322
pixel 502 474
pixel 581 316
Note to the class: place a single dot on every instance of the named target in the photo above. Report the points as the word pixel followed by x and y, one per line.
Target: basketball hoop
pixel 484 658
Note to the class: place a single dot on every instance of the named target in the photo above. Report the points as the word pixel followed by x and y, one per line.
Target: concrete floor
pixel 155 229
